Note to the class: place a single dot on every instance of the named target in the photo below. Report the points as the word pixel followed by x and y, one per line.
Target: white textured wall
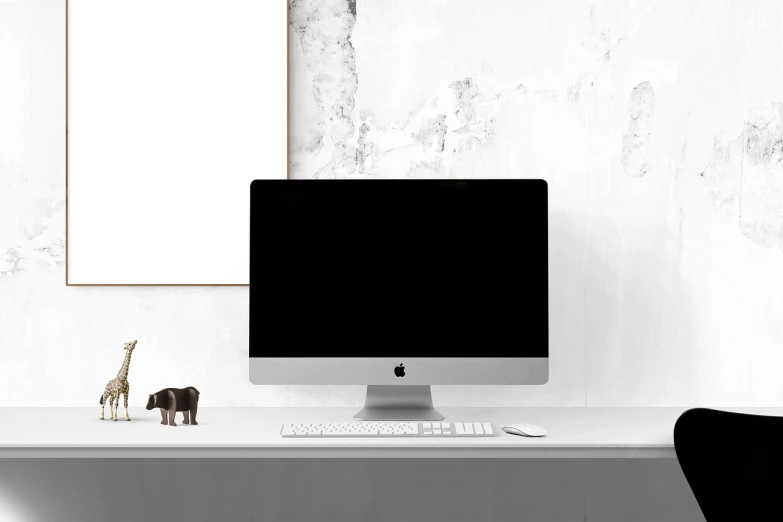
pixel 658 125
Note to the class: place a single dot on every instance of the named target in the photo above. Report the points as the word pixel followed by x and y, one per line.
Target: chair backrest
pixel 733 463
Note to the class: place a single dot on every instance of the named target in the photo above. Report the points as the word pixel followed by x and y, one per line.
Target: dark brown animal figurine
pixel 172 400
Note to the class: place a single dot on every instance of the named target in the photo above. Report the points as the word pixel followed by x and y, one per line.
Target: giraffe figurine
pixel 118 386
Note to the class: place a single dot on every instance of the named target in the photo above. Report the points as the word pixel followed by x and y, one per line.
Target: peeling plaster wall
pixel 641 105
pixel 657 124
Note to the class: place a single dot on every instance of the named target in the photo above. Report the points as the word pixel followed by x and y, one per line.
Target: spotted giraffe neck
pixel 122 375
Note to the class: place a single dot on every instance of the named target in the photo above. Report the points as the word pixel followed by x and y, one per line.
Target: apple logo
pixel 399 371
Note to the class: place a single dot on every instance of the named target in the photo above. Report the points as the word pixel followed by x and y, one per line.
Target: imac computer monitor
pixel 398 284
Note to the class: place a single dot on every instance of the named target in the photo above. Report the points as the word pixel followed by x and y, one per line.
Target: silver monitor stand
pixel 398 403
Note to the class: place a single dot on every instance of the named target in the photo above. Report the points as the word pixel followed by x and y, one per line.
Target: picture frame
pixel 169 117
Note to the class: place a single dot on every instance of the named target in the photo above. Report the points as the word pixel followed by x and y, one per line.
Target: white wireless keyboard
pixel 388 429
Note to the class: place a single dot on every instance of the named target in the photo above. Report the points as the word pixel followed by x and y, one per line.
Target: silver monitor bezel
pixel 418 371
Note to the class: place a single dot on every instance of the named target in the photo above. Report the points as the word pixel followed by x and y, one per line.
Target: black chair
pixel 733 463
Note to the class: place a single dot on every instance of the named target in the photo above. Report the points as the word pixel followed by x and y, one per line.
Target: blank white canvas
pixel 174 107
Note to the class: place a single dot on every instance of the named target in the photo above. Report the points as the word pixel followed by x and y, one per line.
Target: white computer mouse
pixel 525 430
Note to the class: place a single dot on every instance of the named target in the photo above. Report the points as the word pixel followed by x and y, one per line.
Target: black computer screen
pixel 388 268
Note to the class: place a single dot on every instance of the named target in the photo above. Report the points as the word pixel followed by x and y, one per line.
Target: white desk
pixel 574 433
pixel 608 464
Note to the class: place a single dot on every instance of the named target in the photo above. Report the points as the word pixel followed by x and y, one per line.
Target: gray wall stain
pixel 464 92
pixel 324 28
pixel 12 262
pixel 764 135
pixel 432 130
pixel 419 146
pixel 761 197
pixel 574 91
pixel 54 250
pixel 606 40
pixel 723 175
pixel 745 176
pixel 639 110
pixel 365 148
pixel 475 108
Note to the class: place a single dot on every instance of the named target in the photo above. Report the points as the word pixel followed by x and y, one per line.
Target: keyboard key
pixel 436 432
pixel 488 428
pixel 427 425
pixel 436 425
pixel 446 425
